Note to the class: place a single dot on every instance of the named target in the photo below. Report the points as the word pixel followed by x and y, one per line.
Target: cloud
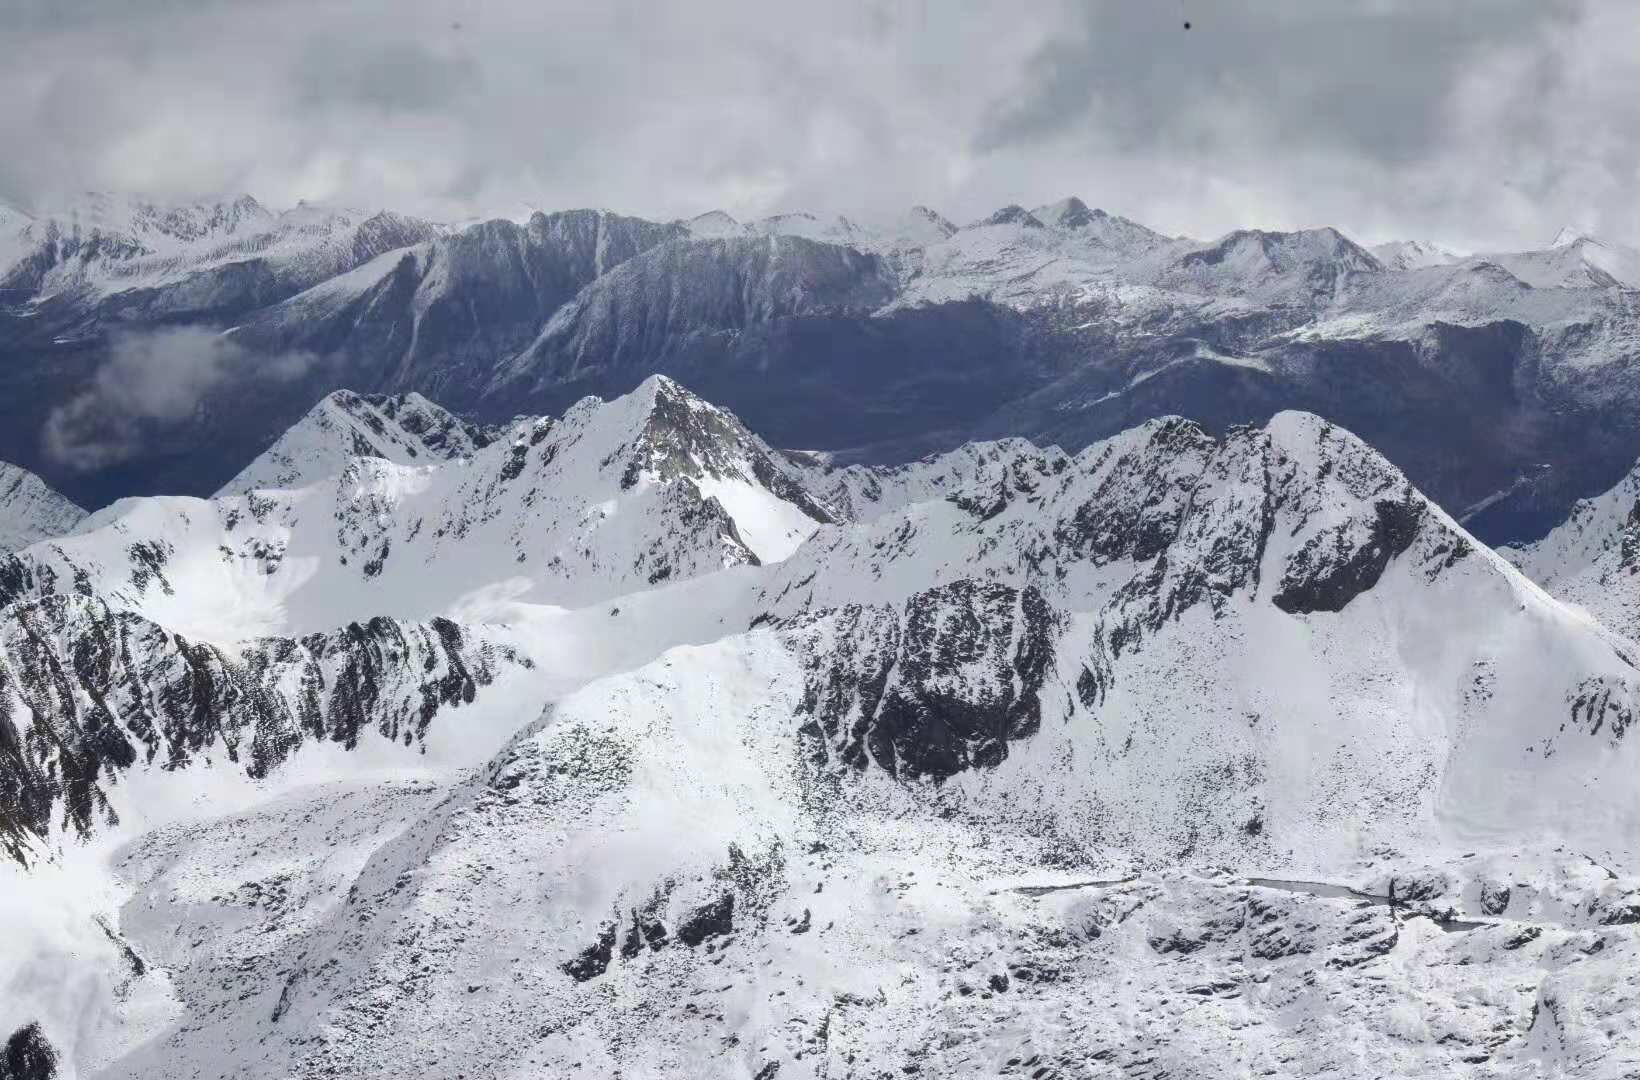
pixel 1371 79
pixel 150 381
pixel 1474 122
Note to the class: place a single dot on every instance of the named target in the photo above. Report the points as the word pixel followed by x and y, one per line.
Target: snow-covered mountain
pixel 627 745
pixel 172 631
pixel 118 258
pixel 438 316
pixel 611 498
pixel 1575 261
pixel 660 302
pixel 1413 255
pixel 407 430
pixel 30 511
pixel 1592 559
pixel 875 341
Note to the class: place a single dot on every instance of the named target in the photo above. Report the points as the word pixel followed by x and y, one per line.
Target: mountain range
pixel 150 348
pixel 616 741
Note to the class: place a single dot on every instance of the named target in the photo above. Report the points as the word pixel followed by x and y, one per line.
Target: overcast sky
pixel 1479 123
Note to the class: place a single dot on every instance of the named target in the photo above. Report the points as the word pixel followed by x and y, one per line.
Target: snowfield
pixel 623 744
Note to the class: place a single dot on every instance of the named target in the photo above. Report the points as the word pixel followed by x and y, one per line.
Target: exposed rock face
pixel 87 692
pixel 685 301
pixel 942 684
pixel 93 682
pixel 1328 573
pixel 1169 518
pixel 28 1056
pixel 712 919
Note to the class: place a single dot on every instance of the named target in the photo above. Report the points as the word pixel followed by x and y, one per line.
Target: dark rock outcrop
pixel 715 918
pixel 1331 570
pixel 939 686
pixel 29 1055
pixel 87 692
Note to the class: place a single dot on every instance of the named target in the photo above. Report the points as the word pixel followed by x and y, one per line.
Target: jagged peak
pixel 1285 251
pixel 662 441
pixel 1068 213
pixel 920 212
pixel 345 426
pixel 669 430
pixel 1313 441
pixel 31 510
pixel 1012 214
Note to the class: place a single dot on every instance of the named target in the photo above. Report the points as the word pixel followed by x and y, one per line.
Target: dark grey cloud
pixel 1473 122
pixel 152 380
pixel 393 77
pixel 1375 79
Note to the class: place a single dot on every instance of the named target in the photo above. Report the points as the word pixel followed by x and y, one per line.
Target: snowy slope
pixel 1232 735
pixel 30 511
pixel 611 498
pixel 441 315
pixel 1180 755
pixel 1575 261
pixel 679 295
pixel 1025 258
pixel 1195 564
pixel 1592 559
pixel 407 430
pixel 1273 267
pixel 1413 255
pixel 134 258
pixel 973 470
pixel 13 235
pixel 665 878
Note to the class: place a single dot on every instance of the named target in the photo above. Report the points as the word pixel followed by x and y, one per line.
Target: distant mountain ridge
pixel 1064 324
